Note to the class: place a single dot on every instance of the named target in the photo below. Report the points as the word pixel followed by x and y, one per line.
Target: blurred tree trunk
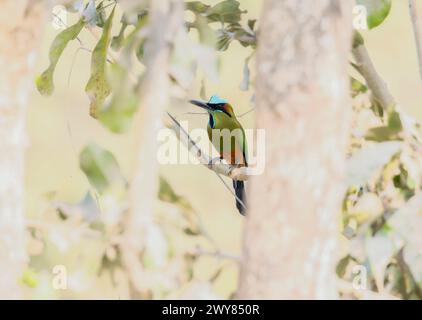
pixel 21 25
pixel 165 19
pixel 302 103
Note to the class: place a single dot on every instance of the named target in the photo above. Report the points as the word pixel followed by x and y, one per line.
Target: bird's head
pixel 215 105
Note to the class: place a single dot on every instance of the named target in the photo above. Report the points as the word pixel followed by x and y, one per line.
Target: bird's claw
pixel 213 161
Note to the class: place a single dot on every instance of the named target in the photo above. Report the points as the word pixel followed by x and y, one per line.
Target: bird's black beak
pixel 201 104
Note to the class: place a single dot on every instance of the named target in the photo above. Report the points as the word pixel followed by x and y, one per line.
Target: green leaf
pixel 133 41
pixel 234 31
pixel 196 7
pixel 117 114
pixel 377 11
pixel 225 12
pixel 117 41
pixel 167 193
pixel 394 121
pixel 29 278
pixel 380 134
pixel 191 232
pixel 98 87
pixel 251 24
pixel 224 39
pixel 342 266
pixel 140 50
pixel 100 167
pixel 44 82
pixel 357 87
pixel 390 132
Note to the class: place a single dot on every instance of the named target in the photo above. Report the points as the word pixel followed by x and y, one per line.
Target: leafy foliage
pixel 384 181
pixel 44 82
pixel 98 87
pixel 227 11
pixel 228 14
pixel 390 131
pixel 100 167
pixel 117 114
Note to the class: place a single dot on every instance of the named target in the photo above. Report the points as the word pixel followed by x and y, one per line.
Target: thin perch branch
pixel 375 83
pixel 417 31
pixel 217 254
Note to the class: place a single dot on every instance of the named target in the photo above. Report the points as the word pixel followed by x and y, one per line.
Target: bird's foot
pixel 213 161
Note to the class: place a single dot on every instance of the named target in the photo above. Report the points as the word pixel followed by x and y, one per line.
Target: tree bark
pixel 303 105
pixel 21 25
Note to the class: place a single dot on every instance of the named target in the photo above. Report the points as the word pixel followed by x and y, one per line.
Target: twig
pixel 366 68
pixel 245 113
pixel 417 31
pixel 231 191
pixel 217 254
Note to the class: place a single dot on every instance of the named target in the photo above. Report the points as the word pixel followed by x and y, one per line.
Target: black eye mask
pixel 220 107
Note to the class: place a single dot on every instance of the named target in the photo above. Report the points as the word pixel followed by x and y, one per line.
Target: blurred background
pixel 59 127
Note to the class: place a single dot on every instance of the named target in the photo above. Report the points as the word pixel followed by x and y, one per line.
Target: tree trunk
pixel 303 105
pixel 21 25
pixel 165 19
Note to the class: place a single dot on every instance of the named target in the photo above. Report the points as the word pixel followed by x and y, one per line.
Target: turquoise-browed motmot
pixel 228 137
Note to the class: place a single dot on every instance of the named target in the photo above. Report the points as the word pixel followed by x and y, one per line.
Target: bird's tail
pixel 239 189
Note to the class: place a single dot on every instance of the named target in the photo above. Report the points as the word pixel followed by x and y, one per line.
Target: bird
pixel 228 136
